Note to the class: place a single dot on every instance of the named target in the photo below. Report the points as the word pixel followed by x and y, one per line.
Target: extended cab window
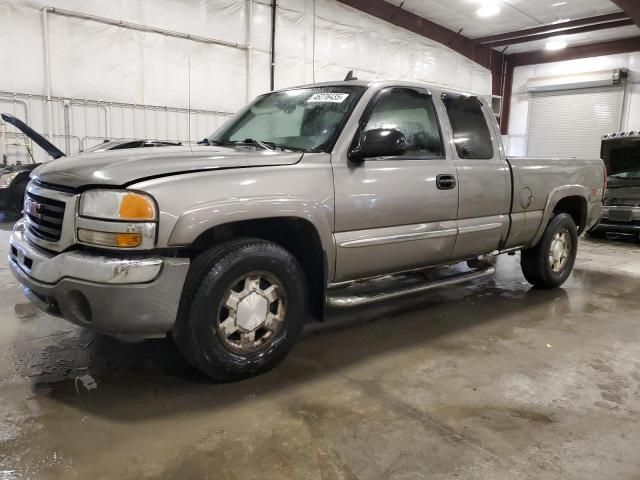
pixel 413 113
pixel 471 133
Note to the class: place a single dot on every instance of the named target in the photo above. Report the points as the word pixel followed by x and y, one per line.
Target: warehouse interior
pixel 492 378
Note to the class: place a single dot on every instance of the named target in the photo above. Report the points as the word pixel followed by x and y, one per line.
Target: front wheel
pixel 550 262
pixel 242 308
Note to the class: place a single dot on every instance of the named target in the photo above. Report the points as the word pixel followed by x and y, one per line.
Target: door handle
pixel 446 182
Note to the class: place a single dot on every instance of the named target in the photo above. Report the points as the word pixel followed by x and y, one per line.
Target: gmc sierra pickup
pixel 303 201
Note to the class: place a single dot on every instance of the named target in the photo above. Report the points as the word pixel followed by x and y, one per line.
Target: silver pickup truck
pixel 308 199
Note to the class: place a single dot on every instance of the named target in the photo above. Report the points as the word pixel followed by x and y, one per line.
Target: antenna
pixel 189 100
pixel 350 76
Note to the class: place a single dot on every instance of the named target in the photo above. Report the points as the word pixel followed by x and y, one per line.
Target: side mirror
pixel 379 142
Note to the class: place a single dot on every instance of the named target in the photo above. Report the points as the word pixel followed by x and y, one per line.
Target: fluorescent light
pixel 559 4
pixel 488 10
pixel 556 45
pixel 561 20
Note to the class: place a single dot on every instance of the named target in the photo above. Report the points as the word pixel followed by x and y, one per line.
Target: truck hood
pixel 123 167
pixel 45 144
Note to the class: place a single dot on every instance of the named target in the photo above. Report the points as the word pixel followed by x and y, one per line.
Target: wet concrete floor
pixel 489 380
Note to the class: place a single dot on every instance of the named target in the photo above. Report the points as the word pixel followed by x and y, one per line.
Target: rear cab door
pixel 390 213
pixel 483 175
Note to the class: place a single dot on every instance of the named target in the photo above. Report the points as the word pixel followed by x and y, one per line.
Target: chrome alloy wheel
pixel 560 250
pixel 252 313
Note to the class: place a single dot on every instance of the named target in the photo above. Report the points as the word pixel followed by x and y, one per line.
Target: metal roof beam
pixel 613 47
pixel 560 31
pixel 422 26
pixel 631 8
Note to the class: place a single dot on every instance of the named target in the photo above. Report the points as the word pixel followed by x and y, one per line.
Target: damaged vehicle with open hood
pixel 319 197
pixel 14 178
pixel 621 210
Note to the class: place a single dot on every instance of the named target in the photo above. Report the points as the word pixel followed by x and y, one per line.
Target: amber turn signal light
pixel 110 239
pixel 136 207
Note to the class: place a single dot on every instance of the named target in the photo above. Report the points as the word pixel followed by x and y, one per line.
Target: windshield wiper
pixel 206 141
pixel 287 147
pixel 252 141
pixel 269 146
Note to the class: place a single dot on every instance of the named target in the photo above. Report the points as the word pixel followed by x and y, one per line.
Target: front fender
pixel 190 204
pixel 194 222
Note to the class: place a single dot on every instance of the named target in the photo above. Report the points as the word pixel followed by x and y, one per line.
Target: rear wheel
pixel 550 262
pixel 242 308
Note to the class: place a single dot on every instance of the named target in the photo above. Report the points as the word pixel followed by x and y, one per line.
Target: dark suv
pixel 621 211
pixel 14 178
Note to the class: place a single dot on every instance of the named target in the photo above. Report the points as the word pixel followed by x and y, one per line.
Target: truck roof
pixel 621 135
pixel 381 83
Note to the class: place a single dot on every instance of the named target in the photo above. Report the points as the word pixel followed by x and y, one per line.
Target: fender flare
pixel 191 224
pixel 554 197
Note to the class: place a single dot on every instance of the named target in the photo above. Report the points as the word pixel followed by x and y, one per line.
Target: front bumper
pixel 619 219
pixel 605 226
pixel 129 296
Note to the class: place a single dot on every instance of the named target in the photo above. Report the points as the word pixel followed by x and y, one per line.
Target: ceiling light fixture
pixel 488 10
pixel 554 45
pixel 560 20
pixel 559 4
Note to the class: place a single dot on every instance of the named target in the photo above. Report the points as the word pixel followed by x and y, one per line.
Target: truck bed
pixel 536 182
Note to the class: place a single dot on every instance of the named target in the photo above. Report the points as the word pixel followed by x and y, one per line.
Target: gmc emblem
pixel 33 208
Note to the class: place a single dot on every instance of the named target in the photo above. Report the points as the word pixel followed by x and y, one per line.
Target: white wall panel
pixel 316 39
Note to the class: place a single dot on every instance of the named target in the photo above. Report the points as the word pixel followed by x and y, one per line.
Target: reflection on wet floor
pixel 491 379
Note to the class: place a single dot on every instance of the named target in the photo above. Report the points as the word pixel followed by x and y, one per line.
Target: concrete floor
pixel 488 380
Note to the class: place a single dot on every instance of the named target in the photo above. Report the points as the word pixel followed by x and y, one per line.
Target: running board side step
pixel 346 299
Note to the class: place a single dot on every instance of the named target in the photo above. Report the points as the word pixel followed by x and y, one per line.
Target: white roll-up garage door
pixel 570 123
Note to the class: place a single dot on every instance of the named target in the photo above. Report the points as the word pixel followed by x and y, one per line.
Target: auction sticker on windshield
pixel 328 97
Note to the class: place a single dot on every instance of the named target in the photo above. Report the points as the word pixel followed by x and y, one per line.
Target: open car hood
pixel 45 144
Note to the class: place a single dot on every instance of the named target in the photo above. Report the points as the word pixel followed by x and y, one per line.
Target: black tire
pixel 535 262
pixel 212 276
pixel 17 197
pixel 597 234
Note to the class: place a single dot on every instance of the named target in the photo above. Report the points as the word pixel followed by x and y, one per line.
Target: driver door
pixel 396 213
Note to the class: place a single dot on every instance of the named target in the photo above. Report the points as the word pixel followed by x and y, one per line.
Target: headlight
pixel 7 178
pixel 117 205
pixel 117 219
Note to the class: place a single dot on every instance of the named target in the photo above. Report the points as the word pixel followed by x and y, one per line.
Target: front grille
pixel 623 202
pixel 44 217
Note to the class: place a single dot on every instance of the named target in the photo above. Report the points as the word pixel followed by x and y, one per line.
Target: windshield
pixel 622 158
pixel 306 119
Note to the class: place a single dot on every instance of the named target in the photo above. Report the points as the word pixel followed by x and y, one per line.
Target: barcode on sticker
pixel 328 98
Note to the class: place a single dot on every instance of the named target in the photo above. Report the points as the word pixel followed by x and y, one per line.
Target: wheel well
pixel 296 235
pixel 575 206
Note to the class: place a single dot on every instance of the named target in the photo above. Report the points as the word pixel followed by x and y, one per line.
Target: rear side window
pixel 471 133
